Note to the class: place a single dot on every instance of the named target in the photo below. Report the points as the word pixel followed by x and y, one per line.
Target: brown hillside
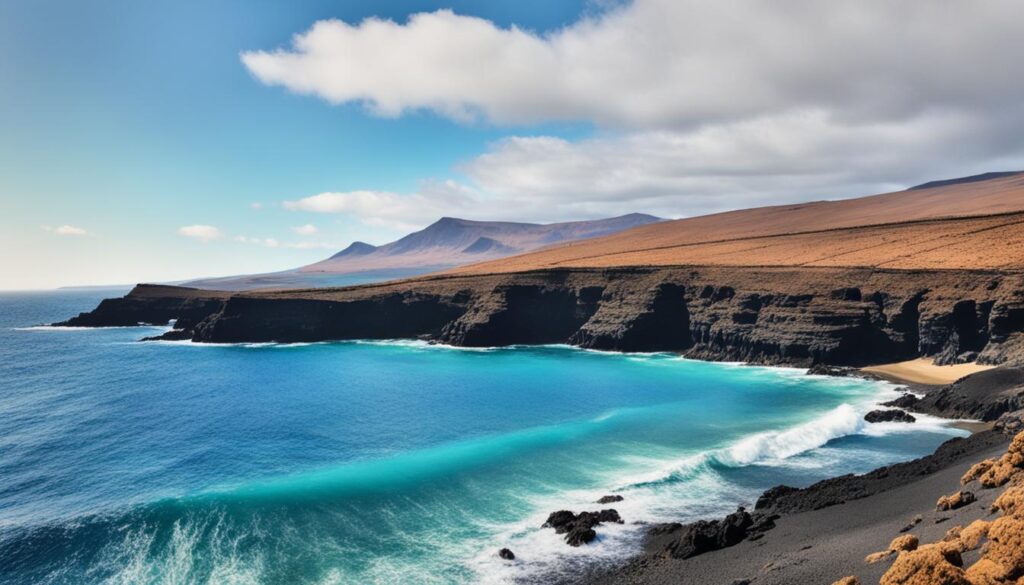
pixel 971 225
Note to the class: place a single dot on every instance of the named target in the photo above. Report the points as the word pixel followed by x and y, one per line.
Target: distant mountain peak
pixel 355 249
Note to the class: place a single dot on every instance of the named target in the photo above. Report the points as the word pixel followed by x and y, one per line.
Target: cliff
pixel 774 315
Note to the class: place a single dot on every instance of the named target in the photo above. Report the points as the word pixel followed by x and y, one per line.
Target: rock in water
pixel 877 416
pixel 580 535
pixel 904 401
pixel 579 528
pixel 560 521
pixel 835 371
pixel 610 499
pixel 506 554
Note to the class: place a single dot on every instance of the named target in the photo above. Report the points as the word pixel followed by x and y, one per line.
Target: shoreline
pixel 924 371
pixel 823 532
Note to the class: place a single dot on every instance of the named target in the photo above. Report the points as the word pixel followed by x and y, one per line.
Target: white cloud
pixel 256 205
pixel 392 210
pixel 673 173
pixel 66 230
pixel 274 243
pixel 697 106
pixel 658 63
pixel 763 161
pixel 203 233
pixel 305 230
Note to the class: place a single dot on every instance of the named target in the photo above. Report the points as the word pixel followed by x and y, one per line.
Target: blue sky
pixel 130 120
pixel 137 137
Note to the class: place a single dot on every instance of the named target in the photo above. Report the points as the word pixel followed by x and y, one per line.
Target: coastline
pixel 724 325
pixel 924 371
pixel 822 544
pixel 822 533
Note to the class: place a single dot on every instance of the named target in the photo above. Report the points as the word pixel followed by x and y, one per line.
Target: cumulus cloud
pixel 696 106
pixel 275 243
pixel 790 157
pixel 203 233
pixel 305 230
pixel 392 210
pixel 66 230
pixel 658 63
pixel 762 161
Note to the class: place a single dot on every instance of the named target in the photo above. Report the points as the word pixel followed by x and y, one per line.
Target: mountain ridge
pixel 447 243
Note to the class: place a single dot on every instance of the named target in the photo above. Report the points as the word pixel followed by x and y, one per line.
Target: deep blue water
pixel 127 462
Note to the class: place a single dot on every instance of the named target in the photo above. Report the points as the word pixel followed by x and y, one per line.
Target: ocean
pixel 383 462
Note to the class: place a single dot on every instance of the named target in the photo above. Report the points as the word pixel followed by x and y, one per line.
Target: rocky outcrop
pixel 983 396
pixel 690 540
pixel 579 528
pixel 877 416
pixel 149 304
pixel 791 316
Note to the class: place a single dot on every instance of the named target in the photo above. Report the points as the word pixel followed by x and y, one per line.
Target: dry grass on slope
pixel 984 243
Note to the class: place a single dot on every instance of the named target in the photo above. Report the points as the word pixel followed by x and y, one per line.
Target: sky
pixel 162 141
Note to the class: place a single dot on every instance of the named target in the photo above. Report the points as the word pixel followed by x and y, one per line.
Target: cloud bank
pixel 697 106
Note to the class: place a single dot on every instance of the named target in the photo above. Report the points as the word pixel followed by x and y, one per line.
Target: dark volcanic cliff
pixel 797 316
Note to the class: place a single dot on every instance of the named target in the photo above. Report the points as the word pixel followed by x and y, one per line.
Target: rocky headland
pixel 789 316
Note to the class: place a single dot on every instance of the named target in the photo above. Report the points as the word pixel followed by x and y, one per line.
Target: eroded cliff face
pixel 795 316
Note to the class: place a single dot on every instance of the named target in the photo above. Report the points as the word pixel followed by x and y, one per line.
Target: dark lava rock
pixel 172 335
pixel 609 499
pixel 984 396
pixel 579 528
pixel 506 554
pixel 560 521
pixel 1010 423
pixel 905 401
pixel 580 535
pixel 877 416
pixel 830 370
pixel 770 495
pixel 708 535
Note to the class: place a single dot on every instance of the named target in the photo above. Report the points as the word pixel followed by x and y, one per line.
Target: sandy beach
pixel 924 371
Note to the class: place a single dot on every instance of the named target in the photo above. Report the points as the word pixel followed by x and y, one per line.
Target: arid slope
pixel 978 225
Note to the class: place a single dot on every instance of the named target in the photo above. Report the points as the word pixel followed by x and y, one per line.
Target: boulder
pixel 708 535
pixel 907 400
pixel 1010 423
pixel 877 416
pixel 609 499
pixel 579 528
pixel 506 554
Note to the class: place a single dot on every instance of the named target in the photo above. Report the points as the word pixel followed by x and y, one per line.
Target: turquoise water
pixel 399 462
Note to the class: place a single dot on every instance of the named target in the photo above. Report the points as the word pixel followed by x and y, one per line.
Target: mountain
pixel 972 222
pixel 447 243
pixel 451 242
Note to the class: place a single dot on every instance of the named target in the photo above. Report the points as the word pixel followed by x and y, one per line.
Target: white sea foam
pixel 69 328
pixel 661 488
pixel 772 446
